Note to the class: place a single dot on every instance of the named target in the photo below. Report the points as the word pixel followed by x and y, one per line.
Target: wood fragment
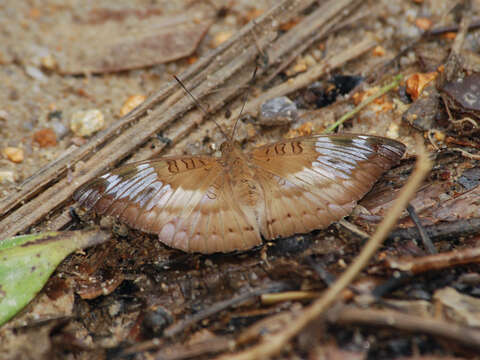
pixel 396 320
pixel 440 30
pixel 440 231
pixel 459 308
pixel 440 261
pixel 269 299
pixel 467 154
pixel 354 229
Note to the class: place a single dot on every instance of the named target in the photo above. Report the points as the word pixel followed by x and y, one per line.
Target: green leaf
pixel 26 263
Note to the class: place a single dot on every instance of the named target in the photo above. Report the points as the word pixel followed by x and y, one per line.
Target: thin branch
pixel 427 242
pixel 396 320
pixel 274 298
pixel 447 230
pixel 435 262
pixel 354 229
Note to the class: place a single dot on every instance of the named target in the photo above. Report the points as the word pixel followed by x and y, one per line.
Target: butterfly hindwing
pixel 309 182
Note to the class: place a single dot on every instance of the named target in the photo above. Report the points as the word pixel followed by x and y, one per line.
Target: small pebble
pixel 48 62
pixel 423 23
pixel 444 197
pixel 392 131
pixel 13 154
pixel 299 67
pixel 54 113
pixel 35 73
pixel 85 123
pixel 305 129
pixel 131 103
pixel 3 115
pixel 278 111
pixel 220 38
pixel 45 137
pixel 78 140
pixel 6 176
pixel 60 129
pixel 310 60
pixel 253 14
pixel 378 51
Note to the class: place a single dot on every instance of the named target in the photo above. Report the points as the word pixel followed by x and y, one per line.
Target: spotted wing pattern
pixel 309 182
pixel 187 201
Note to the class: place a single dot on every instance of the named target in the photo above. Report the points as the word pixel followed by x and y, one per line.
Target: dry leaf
pixel 114 46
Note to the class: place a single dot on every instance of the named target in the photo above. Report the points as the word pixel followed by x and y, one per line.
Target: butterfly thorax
pixel 240 171
pixel 234 160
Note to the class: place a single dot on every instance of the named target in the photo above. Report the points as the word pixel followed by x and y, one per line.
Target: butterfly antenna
pixel 244 101
pixel 201 107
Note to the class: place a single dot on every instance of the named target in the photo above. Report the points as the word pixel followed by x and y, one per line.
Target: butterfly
pixel 211 204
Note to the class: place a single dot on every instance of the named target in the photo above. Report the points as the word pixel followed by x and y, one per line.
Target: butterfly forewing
pixel 309 182
pixel 185 200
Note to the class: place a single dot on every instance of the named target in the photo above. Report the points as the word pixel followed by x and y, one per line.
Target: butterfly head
pixel 228 147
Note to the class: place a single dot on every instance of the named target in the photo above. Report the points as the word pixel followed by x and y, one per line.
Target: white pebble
pixel 85 123
pixel 6 176
pixel 3 115
pixel 35 73
pixel 60 129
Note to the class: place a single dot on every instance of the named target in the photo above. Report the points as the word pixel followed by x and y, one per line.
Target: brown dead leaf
pixel 113 46
pixel 461 95
pixel 459 307
pixel 465 206
pixel 94 287
pixel 417 82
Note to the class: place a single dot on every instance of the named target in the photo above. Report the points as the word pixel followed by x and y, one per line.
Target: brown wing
pixel 187 201
pixel 309 182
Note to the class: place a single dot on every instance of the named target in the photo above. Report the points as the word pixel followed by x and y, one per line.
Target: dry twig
pixel 427 242
pixel 446 230
pixel 435 262
pixel 400 321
